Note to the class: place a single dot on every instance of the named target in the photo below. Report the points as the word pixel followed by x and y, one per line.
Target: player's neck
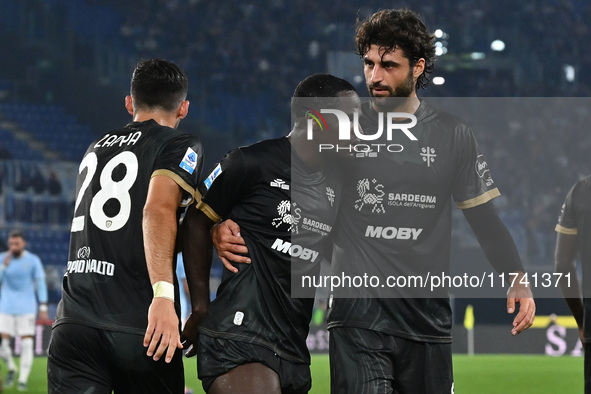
pixel 304 149
pixel 160 117
pixel 407 105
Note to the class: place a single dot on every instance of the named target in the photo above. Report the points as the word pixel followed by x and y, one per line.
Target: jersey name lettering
pixel 90 266
pixel 109 140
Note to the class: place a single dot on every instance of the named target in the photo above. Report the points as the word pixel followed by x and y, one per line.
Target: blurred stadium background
pixel 65 70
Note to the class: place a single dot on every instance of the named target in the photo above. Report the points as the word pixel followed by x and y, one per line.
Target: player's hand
pixel 228 242
pixel 162 334
pixel 6 261
pixel 520 293
pixel 190 334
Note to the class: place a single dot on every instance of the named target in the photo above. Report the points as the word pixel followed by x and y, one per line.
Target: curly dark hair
pixel 402 28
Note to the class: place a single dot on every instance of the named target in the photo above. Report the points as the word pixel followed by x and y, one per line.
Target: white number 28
pixel 110 189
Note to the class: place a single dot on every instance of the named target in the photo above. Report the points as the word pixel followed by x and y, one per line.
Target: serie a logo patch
pixel 189 162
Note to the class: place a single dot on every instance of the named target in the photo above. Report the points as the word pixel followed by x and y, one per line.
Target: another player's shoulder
pixel 576 204
pixel 429 113
pixel 269 147
pixel 259 158
pixel 270 152
pixel 585 182
pixel 582 188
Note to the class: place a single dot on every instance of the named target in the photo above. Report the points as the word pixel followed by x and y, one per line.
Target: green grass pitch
pixel 480 374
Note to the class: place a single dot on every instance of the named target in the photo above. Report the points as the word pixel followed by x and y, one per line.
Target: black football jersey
pixel 575 219
pixel 286 216
pixel 106 283
pixel 395 220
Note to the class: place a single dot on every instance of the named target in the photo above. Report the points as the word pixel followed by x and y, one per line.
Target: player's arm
pixel 159 229
pixel 5 263
pixel 229 244
pixel 500 250
pixel 234 177
pixel 197 256
pixel 565 259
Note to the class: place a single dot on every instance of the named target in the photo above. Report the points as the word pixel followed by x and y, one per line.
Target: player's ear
pixel 419 68
pixel 129 104
pixel 309 118
pixel 183 109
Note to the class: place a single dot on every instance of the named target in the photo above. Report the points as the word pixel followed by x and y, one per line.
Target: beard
pixel 402 91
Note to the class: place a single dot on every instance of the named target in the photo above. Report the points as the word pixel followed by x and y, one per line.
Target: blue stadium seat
pixel 49 124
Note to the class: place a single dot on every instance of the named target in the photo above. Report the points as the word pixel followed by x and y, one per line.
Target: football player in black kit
pixel 402 343
pixel 253 338
pixel 574 233
pixel 132 186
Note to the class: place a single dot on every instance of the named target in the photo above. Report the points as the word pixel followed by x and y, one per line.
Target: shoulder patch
pixel 189 161
pixel 214 174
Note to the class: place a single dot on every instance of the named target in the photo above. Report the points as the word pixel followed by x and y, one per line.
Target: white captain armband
pixel 42 307
pixel 163 289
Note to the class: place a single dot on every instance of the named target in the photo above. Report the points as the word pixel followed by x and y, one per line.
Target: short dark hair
pixel 402 28
pixel 318 86
pixel 17 234
pixel 322 85
pixel 158 83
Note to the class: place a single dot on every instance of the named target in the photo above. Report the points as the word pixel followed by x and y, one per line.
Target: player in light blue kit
pixel 21 276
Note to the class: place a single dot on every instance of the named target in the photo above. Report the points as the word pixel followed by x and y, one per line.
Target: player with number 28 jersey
pixel 104 266
pixel 117 327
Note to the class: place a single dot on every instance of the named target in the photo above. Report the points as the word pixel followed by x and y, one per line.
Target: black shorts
pixel 217 356
pixel 83 359
pixel 370 362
